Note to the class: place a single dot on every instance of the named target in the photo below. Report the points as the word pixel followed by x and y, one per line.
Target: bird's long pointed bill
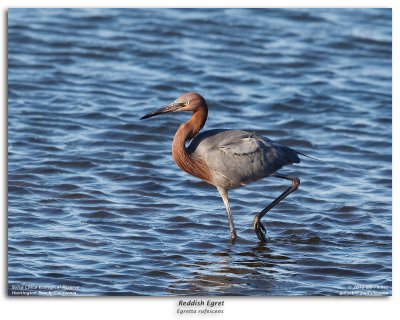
pixel 173 107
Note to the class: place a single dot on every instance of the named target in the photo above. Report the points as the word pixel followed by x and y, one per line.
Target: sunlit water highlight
pixel 95 200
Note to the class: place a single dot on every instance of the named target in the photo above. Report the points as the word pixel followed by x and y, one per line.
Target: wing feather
pixel 239 157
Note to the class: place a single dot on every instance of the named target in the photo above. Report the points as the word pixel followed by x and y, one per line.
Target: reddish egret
pixel 227 159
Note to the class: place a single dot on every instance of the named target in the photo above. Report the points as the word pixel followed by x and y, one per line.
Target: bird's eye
pixel 187 103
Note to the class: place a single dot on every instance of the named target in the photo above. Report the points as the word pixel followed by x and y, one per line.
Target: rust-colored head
pixel 187 102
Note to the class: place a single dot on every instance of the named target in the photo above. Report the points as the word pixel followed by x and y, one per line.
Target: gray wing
pixel 238 157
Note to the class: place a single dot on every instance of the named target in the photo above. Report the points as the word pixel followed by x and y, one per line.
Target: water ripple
pixel 96 201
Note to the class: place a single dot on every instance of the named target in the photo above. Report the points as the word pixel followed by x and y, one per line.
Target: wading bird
pixel 227 159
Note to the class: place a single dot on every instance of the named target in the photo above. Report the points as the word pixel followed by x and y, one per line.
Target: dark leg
pixel 258 227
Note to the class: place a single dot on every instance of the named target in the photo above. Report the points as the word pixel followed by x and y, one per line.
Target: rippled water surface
pixel 96 201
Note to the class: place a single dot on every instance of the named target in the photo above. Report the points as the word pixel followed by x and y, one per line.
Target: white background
pixel 32 308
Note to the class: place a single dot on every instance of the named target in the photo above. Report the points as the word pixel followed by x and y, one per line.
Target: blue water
pixel 97 203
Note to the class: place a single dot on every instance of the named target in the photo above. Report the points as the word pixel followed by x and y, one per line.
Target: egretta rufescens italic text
pixel 227 159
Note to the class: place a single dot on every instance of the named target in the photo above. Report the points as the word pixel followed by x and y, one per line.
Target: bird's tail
pixel 308 156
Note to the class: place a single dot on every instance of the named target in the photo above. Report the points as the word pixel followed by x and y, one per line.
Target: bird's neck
pixel 183 159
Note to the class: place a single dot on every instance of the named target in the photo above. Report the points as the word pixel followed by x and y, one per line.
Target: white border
pixel 165 308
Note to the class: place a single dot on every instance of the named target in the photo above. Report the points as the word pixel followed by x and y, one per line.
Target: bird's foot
pixel 259 229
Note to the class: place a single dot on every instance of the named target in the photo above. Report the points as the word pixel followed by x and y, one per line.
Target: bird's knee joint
pixel 295 182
